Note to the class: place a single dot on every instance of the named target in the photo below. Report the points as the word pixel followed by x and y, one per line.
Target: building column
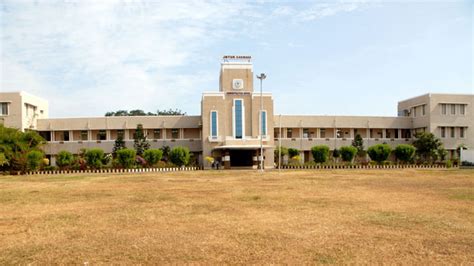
pixel 384 133
pixel 399 133
pixel 89 135
pixel 351 133
pixel 107 134
pixel 52 135
pixel 71 135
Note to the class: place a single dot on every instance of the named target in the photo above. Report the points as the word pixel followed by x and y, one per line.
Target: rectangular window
pixel 3 108
pixel 443 132
pixel 306 133
pixel 339 133
pixel 396 133
pixel 175 133
pixel 423 109
pixel 214 124
pixel 263 124
pixel 453 109
pixel 388 134
pixel 102 135
pixel 289 133
pixel 120 133
pixel 157 133
pixel 462 109
pixel 461 132
pixel 238 119
pixel 84 135
pixel 322 132
pixel 453 134
pixel 443 109
pixel 65 135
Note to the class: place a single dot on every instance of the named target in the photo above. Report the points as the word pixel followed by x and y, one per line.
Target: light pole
pixel 261 78
pixel 279 148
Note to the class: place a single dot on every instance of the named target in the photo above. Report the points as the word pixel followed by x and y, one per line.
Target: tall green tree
pixel 118 145
pixel 427 145
pixel 358 143
pixel 139 140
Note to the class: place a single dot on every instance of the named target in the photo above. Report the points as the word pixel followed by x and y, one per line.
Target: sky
pixel 320 57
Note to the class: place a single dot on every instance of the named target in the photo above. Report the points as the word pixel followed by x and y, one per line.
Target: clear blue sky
pixel 331 57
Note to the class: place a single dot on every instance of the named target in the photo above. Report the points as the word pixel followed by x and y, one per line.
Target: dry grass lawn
pixel 342 216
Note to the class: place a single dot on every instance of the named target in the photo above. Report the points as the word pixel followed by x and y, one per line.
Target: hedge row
pixel 116 170
pixel 393 166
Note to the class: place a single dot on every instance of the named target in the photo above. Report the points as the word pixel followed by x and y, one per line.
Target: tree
pixel 358 143
pixel 137 112
pixel 320 153
pixel 15 145
pixel 336 154
pixel 426 145
pixel 292 152
pixel 379 152
pixel 64 159
pixel 139 140
pixel 126 157
pixel 348 153
pixel 404 152
pixel 152 156
pixel 180 156
pixel 166 151
pixel 118 145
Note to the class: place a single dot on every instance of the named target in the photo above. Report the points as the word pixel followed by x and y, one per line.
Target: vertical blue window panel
pixel 238 119
pixel 214 124
pixel 263 120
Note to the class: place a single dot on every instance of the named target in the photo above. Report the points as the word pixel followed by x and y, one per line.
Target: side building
pixel 235 118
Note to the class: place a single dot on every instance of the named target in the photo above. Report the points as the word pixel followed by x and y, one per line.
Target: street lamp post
pixel 261 78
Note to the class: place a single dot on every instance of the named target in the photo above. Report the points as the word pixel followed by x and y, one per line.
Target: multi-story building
pixel 235 118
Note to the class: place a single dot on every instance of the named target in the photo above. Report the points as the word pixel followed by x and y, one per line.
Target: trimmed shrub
pixel 320 153
pixel 348 153
pixel 64 159
pixel 179 156
pixel 34 160
pixel 404 152
pixel 126 157
pixel 94 157
pixel 379 152
pixel 292 152
pixel 152 156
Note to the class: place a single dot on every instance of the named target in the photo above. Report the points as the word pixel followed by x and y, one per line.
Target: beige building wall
pixel 24 110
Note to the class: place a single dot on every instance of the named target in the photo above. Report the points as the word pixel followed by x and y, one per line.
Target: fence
pixel 105 171
pixel 395 166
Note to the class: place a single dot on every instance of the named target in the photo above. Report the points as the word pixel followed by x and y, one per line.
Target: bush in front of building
pixel 320 153
pixel 94 158
pixel 379 152
pixel 64 159
pixel 404 153
pixel 152 156
pixel 34 160
pixel 126 157
pixel 292 152
pixel 348 153
pixel 179 156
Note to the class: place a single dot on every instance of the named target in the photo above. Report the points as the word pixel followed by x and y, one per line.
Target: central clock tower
pixel 236 74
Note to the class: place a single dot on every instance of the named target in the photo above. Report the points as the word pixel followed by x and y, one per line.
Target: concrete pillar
pixel 384 133
pixel 89 135
pixel 226 160
pixel 351 133
pixel 163 133
pixel 71 135
pixel 107 134
pixel 399 133
pixel 52 135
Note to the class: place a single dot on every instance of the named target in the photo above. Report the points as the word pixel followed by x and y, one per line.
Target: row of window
pixel 452 132
pixel 102 135
pixel 453 109
pixel 419 110
pixel 341 133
